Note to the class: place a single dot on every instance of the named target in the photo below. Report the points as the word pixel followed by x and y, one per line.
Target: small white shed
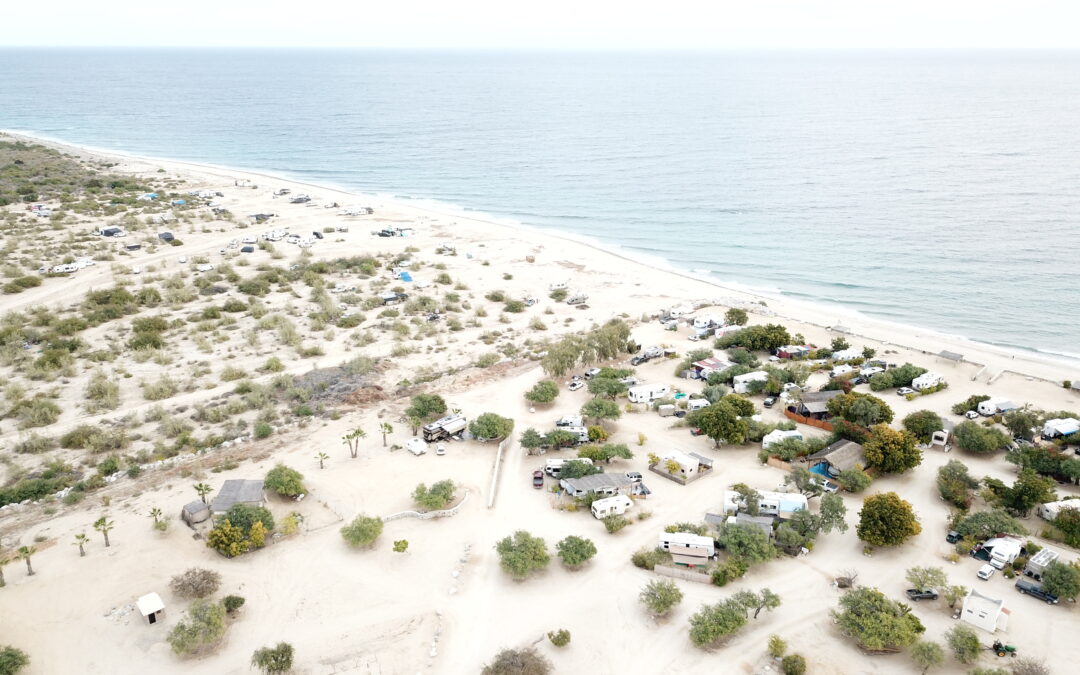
pixel 151 607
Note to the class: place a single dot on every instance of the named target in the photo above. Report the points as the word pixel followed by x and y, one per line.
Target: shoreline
pixel 1047 366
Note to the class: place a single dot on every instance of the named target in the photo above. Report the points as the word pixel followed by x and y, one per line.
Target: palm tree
pixel 415 423
pixel 353 440
pixel 322 457
pixel 203 489
pixel 80 540
pixel 155 513
pixel 385 428
pixel 24 553
pixel 103 525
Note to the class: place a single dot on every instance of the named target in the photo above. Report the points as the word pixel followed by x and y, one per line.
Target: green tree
pixel 362 531
pixel 891 451
pixel 964 643
pixel 747 543
pixel 426 407
pixel 544 391
pixel 854 480
pixel 104 525
pixel 955 484
pixel 285 481
pixel 974 437
pixel 926 578
pixel 522 554
pixel 804 481
pixel 712 623
pixel 575 468
pixel 489 427
pixel 985 524
pixel 1022 423
pixel 81 540
pixel 601 409
pixel 322 457
pixel 832 514
pixel 228 539
pixel 598 434
pixel 231 603
pixel 922 424
pixel 575 551
pixel 660 596
pixel 607 386
pixel 886 520
pixel 531 439
pixel 927 655
pixel 202 489
pixel 1062 580
pixel 876 622
pixel 202 628
pixel 525 661
pixel 435 498
pixel 777 646
pixel 606 452
pixel 385 429
pixel 272 660
pixel 721 422
pixel 763 599
pixel 862 409
pixel 793 664
pixel 12 660
pixel 352 439
pixel 1029 489
pixel 736 317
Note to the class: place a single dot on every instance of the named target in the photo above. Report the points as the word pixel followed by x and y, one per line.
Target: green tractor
pixel 1002 649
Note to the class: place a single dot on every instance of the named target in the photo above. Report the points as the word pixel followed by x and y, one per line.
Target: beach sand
pixel 445 606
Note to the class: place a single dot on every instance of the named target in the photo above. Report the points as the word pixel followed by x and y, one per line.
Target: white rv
pixel 570 421
pixel 442 429
pixel 1063 426
pixel 553 467
pixel 611 506
pixel 741 383
pixel 843 369
pixel 647 393
pixel 995 406
pixel 927 380
pixel 680 541
pixel 697 404
pixel 777 435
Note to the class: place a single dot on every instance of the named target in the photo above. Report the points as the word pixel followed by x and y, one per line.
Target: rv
pixel 581 432
pixel 570 421
pixel 927 381
pixel 647 393
pixel 706 322
pixel 1039 562
pixel 447 427
pixel 697 404
pixel 843 369
pixel 1002 550
pixel 1051 510
pixel 577 298
pixel 611 506
pixel 554 466
pixel 687 548
pixel 1059 427
pixel 646 355
pixel 742 383
pixel 995 406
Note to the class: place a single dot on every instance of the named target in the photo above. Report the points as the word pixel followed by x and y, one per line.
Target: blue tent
pixel 405 276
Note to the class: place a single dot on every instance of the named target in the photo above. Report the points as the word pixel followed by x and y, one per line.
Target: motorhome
pixel 842 369
pixel 1056 428
pixel 581 433
pixel 611 506
pixel 447 427
pixel 647 393
pixel 697 404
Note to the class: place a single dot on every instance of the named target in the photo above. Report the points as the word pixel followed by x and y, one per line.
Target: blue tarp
pixel 405 276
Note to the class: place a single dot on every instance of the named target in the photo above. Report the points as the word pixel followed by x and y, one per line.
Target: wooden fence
pixel 810 421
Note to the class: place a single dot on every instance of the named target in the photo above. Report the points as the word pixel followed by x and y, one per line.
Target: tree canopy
pixel 721 422
pixel 974 437
pixel 435 498
pixel 362 531
pixel 601 409
pixel 575 551
pixel 426 407
pixel 601 343
pixel 1028 490
pixel 1062 579
pixel 489 426
pixel 876 622
pixel 862 409
pixel 886 520
pixel 524 661
pixel 608 387
pixel 521 554
pixel 606 452
pixel 955 484
pixel 544 391
pixel 768 337
pixel 736 317
pixel 660 596
pixel 285 481
pixel 12 660
pixel 922 424
pixel 890 450
pixel 985 524
pixel 747 543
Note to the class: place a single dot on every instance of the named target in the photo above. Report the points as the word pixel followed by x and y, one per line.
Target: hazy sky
pixel 548 23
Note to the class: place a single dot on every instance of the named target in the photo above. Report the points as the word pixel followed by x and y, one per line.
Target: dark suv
pixel 1036 591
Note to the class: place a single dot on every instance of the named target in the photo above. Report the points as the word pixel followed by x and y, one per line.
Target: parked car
pixel 693 338
pixel 634 476
pixel 952 537
pixel 695 431
pixel 591 373
pixel 440 449
pixel 972 415
pixel 904 391
pixel 1035 590
pixel 825 484
pixel 769 402
pixel 916 595
pixel 985 572
pixel 860 380
pixel 575 385
pixel 318 235
pixel 538 479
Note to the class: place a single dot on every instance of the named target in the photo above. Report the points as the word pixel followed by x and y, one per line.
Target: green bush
pixel 232 603
pixel 273 660
pixel 793 664
pixel 201 629
pixel 559 638
pixel 362 531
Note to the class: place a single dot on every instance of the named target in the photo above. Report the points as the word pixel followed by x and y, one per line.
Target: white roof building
pixel 150 606
pixel 985 612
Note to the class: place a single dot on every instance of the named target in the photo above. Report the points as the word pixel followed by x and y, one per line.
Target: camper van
pixel 611 506
pixel 442 429
pixel 647 393
pixel 553 467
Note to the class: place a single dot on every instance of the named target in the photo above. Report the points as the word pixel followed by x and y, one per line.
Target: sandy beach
pixel 445 606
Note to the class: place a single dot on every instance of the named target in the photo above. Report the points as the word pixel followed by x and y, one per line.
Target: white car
pixel 904 391
pixel 440 449
pixel 985 572
pixel 183 259
pixel 972 415
pixel 575 385
pixel 205 267
pixel 136 270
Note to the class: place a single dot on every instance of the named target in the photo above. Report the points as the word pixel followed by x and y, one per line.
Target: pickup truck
pixel 916 595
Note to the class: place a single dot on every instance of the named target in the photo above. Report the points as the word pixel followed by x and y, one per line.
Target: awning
pixel 952 356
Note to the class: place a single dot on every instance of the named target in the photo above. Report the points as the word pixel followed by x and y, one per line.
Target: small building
pixel 816 403
pixel 151 607
pixel 690 464
pixel 985 612
pixel 611 506
pixel 1052 510
pixel 705 367
pixel 194 512
pixel 778 435
pixel 687 549
pixel 764 523
pixel 609 484
pixel 238 491
pixel 742 383
pixel 841 456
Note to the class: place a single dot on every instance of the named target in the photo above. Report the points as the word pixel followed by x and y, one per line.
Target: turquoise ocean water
pixel 939 189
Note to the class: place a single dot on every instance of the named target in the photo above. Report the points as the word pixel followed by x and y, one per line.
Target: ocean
pixel 938 189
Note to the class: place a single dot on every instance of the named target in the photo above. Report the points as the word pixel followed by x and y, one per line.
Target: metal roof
pixel 237 491
pixel 597 481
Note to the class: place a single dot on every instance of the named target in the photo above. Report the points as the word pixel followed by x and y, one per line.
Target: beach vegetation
pixel 362 531
pixel 974 437
pixel 435 498
pixel 922 424
pixel 12 660
pixel 544 391
pixel 601 409
pixel 232 603
pixel 927 655
pixel 559 638
pixel 273 660
pixel 886 520
pixel 1028 490
pixel 614 523
pixel 768 337
pixel 964 643
pixel 722 421
pixel 862 409
pixel 736 317
pixel 426 407
pixel 200 630
pixel 575 551
pixel 285 481
pixel 969 404
pixel 984 524
pixel 891 451
pixel 490 426
pixel 521 554
pixel 955 484
pixel 599 344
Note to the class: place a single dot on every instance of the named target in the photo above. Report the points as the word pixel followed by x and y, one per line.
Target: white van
pixel 647 393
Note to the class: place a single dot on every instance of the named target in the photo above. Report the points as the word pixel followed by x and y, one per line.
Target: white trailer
pixel 611 506
pixel 416 446
pixel 678 542
pixel 553 467
pixel 1039 562
pixel 927 381
pixel 995 406
pixel 647 393
pixel 1062 426
pixel 742 382
pixel 570 421
pixel 697 404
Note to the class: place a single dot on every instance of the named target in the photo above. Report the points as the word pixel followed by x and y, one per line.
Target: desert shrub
pixel 660 596
pixel 101 393
pixel 559 638
pixel 575 551
pixel 195 583
pixel 232 603
pixel 793 664
pixel 272 660
pixel 362 531
pixel 36 412
pixel 285 481
pixel 262 430
pixel 435 498
pixel 525 661
pixel 614 523
pixel 648 558
pixel 201 629
pixel 34 444
pixel 164 388
pixel 12 660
